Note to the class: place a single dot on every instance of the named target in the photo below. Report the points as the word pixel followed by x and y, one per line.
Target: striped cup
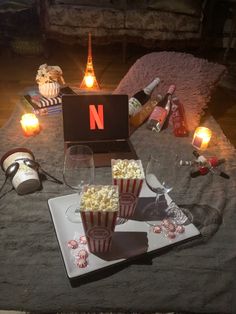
pixel 49 90
pixel 129 190
pixel 99 226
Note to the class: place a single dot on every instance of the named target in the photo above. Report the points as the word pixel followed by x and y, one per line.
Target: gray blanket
pixel 197 276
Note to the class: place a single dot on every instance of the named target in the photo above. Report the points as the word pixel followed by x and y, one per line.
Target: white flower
pixel 49 74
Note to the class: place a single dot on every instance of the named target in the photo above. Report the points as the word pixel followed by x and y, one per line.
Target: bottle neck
pixel 166 101
pixel 149 88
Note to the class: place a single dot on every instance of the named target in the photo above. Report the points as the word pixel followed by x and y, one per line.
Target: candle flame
pixel 29 119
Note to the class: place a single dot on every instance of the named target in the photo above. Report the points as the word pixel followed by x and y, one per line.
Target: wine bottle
pixel 161 112
pixel 141 116
pixel 178 118
pixel 140 98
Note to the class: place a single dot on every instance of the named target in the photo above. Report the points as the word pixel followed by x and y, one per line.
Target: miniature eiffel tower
pixel 89 80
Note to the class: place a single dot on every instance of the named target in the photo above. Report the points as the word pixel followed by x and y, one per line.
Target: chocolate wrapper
pixel 99 227
pixel 129 190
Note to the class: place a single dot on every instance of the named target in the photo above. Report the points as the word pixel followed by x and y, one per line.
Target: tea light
pixel 30 124
pixel 201 138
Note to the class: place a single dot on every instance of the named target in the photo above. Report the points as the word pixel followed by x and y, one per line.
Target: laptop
pixel 101 122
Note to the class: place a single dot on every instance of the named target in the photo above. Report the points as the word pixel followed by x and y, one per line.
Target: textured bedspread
pixel 197 276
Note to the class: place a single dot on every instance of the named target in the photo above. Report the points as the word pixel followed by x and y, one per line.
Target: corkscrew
pixel 204 165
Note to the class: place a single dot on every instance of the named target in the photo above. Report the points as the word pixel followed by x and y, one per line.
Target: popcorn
pixel 128 175
pixel 99 208
pixel 127 169
pixel 100 198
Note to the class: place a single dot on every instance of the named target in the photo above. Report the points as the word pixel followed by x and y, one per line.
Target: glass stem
pixel 157 198
pixel 78 206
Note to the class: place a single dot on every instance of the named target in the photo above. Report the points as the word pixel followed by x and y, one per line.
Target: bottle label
pixel 178 118
pixel 134 106
pixel 137 119
pixel 158 115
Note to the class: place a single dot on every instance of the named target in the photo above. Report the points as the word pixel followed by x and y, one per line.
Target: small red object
pixel 82 254
pixel 214 162
pixel 171 227
pixel 82 263
pixel 157 229
pixel 83 240
pixel 203 170
pixel 165 223
pixel 180 229
pixel 171 235
pixel 73 244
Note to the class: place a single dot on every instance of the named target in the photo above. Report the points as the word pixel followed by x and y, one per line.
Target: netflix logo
pixel 96 117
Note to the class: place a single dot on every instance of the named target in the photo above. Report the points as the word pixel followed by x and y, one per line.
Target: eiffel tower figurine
pixel 89 80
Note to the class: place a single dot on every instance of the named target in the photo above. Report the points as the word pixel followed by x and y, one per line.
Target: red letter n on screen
pixel 96 117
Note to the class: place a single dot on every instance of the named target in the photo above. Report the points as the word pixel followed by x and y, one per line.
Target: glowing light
pixel 201 138
pixel 30 124
pixel 89 80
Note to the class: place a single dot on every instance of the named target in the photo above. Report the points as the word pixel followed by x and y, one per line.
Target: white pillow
pixel 194 78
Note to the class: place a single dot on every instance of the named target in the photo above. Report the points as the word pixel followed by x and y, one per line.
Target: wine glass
pixel 78 172
pixel 161 180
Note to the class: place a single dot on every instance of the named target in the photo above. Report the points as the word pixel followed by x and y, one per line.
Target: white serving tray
pixel 131 239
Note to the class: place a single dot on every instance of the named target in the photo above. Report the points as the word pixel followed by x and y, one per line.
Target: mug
pixel 26 180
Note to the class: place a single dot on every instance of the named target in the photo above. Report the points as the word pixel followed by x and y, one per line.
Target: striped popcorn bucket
pixel 99 227
pixel 49 90
pixel 129 190
pixel 99 223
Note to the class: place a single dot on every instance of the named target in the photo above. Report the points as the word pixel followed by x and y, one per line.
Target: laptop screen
pixel 95 117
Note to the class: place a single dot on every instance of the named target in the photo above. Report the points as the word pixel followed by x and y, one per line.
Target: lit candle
pixel 30 124
pixel 201 138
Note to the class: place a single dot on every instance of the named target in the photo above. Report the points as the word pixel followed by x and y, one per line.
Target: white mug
pixel 26 180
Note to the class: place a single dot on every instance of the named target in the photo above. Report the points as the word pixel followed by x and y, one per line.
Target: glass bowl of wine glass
pixel 161 177
pixel 78 172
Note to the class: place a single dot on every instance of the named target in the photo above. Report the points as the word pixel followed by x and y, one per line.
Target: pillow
pixel 194 78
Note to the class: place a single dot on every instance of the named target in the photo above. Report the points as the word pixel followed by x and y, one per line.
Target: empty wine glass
pixel 78 172
pixel 161 180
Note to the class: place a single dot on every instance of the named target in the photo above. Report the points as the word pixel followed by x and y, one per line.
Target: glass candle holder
pixel 30 124
pixel 201 138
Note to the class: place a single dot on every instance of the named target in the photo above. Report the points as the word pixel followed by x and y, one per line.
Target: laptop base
pixel 103 159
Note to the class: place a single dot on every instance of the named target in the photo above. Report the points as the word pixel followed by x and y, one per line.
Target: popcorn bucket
pixel 129 186
pixel 128 203
pixel 99 224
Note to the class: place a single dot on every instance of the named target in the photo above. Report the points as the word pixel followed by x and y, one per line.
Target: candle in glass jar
pixel 201 138
pixel 30 124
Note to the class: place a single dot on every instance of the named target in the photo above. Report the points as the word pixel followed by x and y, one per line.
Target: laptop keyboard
pixel 108 146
